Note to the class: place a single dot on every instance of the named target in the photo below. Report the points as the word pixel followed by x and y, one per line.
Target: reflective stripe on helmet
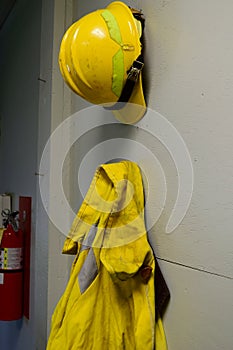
pixel 113 28
pixel 118 69
pixel 118 72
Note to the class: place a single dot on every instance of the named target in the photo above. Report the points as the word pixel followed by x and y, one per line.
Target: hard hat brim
pixel 133 110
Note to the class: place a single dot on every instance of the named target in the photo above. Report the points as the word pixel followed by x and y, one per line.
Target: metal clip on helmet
pixel 100 60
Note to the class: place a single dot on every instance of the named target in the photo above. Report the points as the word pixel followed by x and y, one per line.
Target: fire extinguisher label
pixel 11 258
pixel 1 278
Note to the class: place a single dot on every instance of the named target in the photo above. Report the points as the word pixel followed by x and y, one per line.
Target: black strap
pixel 162 294
pixel 133 72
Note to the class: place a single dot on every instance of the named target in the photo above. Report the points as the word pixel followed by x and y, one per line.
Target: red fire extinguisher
pixel 11 268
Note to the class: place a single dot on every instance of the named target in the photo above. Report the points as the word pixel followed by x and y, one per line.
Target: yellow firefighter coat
pixel 109 302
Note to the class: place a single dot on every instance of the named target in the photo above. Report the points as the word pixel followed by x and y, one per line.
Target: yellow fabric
pixel 117 309
pixel 1 234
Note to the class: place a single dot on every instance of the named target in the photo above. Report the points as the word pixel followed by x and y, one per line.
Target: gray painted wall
pixel 19 103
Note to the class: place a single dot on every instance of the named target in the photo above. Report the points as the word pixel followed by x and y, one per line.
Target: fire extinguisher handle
pixel 10 218
pixel 5 213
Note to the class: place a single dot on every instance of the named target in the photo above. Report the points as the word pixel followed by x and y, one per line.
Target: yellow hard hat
pixel 100 60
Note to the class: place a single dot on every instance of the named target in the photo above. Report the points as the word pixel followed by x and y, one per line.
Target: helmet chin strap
pixel 133 72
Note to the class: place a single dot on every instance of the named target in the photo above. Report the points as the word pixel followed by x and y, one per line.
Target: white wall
pixel 55 104
pixel 44 130
pixel 189 81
